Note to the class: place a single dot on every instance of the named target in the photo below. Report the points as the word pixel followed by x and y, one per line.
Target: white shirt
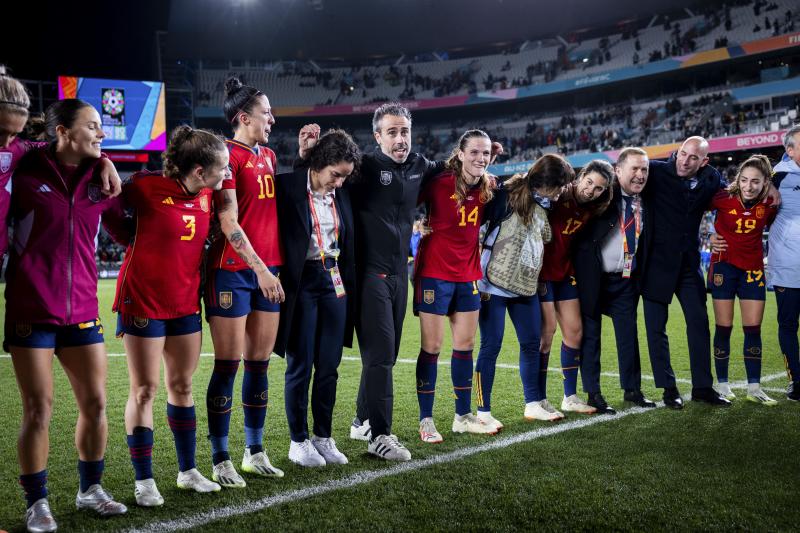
pixel 323 207
pixel 613 250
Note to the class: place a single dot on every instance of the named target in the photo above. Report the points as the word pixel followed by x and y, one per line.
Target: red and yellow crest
pixel 204 203
pixel 718 280
pixel 759 211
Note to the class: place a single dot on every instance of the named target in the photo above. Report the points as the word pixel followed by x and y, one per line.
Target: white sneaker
pixel 574 404
pixel 360 430
pixel 194 480
pixel 305 454
pixel 487 418
pixel 756 395
pixel 389 448
pixel 428 433
pixel 724 390
pixel 259 464
pixel 541 410
pixel 97 499
pixel 328 450
pixel 470 423
pixel 39 518
pixel 226 475
pixel 147 494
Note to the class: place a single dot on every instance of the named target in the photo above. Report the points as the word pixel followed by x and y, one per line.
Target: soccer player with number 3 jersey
pixel 243 293
pixel 739 271
pixel 158 299
pixel 447 269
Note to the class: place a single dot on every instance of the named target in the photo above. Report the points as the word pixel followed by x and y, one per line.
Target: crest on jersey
pixel 204 203
pixel 23 330
pixel 386 177
pixel 141 322
pixel 428 296
pixel 759 211
pixel 94 193
pixel 542 288
pixel 225 299
pixel 5 161
pixel 718 280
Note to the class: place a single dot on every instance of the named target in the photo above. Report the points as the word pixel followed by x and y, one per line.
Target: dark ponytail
pixel 239 99
pixel 188 148
pixel 62 113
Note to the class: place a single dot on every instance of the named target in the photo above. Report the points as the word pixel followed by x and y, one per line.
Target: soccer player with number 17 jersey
pixel 739 271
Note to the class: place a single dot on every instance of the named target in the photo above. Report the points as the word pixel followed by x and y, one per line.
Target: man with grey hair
pixel 678 193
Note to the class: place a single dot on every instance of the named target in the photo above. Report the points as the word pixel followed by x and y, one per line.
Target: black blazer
pixel 294 218
pixel 587 254
pixel 676 221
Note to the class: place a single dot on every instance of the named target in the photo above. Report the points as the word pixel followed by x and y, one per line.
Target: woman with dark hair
pixel 243 292
pixel 589 195
pixel 447 269
pixel 51 303
pixel 159 309
pixel 743 211
pixel 318 275
pixel 517 229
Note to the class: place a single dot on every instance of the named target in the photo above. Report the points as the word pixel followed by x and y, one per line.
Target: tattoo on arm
pixel 229 220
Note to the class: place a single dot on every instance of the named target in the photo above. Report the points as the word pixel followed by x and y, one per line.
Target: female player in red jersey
pixel 587 196
pixel 51 303
pixel 159 308
pixel 243 293
pixel 447 269
pixel 741 217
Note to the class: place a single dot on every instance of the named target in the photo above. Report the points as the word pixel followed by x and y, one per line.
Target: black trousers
pixel 619 297
pixel 382 310
pixel 691 293
pixel 316 343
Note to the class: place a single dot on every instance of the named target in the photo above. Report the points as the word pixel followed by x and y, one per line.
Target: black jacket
pixel 677 212
pixel 294 217
pixel 587 255
pixel 384 199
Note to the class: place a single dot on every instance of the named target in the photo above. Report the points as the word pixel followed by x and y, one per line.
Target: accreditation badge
pixel 627 266
pixel 338 284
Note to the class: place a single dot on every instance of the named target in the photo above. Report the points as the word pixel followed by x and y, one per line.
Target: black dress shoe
pixel 597 401
pixel 709 396
pixel 672 398
pixel 636 397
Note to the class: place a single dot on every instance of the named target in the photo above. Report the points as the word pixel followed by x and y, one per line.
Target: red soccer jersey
pixel 742 228
pixel 451 252
pixel 160 277
pixel 252 177
pixel 566 218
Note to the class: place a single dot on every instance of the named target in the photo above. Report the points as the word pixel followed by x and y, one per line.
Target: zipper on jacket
pixel 69 257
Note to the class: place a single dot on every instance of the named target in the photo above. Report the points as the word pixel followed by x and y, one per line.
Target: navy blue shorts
pixel 439 297
pixel 151 327
pixel 235 294
pixel 726 282
pixel 558 291
pixel 26 335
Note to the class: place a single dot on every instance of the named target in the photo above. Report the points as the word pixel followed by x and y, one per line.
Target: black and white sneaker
pixel 360 430
pixel 389 448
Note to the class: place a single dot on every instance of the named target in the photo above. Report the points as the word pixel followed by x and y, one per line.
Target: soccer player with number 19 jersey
pixel 447 268
pixel 158 299
pixel 741 217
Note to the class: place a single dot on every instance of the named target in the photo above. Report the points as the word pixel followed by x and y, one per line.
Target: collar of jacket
pixel 704 172
pixel 383 158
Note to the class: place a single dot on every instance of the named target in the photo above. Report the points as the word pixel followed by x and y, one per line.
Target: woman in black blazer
pixel 318 277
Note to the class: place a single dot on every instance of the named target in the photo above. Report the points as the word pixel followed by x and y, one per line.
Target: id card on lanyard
pixel 627 263
pixel 336 278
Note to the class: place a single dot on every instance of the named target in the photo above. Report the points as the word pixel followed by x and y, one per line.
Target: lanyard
pixel 318 229
pixel 637 218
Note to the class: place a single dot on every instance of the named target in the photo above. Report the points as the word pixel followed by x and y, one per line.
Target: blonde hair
pixel 13 96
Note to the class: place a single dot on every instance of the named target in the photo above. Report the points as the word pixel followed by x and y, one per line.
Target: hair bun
pixel 232 85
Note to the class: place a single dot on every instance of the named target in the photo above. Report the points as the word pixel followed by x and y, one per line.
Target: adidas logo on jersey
pixel 249 164
pixel 44 188
pixel 732 212
pixel 168 200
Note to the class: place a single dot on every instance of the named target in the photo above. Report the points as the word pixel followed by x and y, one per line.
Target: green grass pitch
pixel 699 469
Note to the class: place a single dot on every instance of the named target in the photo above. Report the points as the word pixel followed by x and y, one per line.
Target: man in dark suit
pixel 609 256
pixel 679 193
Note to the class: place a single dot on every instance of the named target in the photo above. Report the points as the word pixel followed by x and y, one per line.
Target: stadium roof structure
pixel 356 30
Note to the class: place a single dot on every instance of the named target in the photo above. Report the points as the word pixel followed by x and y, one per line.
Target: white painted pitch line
pixel 361 478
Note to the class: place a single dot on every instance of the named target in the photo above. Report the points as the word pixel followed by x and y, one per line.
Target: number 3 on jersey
pixel 472 217
pixel 266 186
pixel 191 226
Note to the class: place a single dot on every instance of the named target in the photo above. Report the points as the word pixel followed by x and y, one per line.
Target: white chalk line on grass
pixel 361 478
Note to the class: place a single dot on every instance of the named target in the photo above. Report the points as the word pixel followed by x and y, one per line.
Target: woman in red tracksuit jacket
pixel 51 303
